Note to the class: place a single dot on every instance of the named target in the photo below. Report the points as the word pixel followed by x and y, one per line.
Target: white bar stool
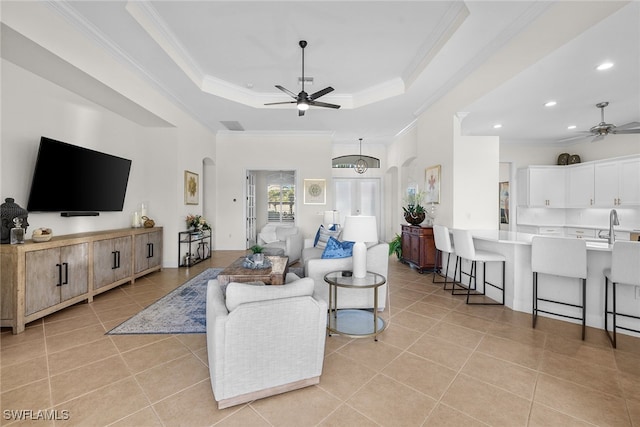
pixel 559 256
pixel 465 249
pixel 443 245
pixel 625 270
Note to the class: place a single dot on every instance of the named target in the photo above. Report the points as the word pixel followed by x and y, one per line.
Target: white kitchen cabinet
pixel 542 186
pixel 617 183
pixel 580 186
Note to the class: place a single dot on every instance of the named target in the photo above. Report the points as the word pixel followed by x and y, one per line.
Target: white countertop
pixel 516 238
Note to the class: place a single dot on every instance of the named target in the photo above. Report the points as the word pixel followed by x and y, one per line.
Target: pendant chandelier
pixel 361 165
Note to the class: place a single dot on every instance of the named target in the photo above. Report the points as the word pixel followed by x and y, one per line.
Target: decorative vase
pixel 414 218
pixel 203 250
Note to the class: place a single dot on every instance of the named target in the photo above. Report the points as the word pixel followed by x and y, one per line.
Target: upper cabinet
pixel 580 180
pixel 617 183
pixel 542 186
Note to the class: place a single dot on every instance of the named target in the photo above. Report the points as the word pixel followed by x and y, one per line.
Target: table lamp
pixel 331 218
pixel 360 229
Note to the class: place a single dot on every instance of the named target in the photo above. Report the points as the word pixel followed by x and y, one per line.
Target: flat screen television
pixel 76 181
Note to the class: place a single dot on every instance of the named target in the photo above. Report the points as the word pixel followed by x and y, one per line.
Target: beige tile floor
pixel 440 362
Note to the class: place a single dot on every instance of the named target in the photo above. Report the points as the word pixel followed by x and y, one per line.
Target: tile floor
pixel 440 362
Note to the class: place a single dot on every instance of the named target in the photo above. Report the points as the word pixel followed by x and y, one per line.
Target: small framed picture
pixel 432 184
pixel 315 192
pixel 191 188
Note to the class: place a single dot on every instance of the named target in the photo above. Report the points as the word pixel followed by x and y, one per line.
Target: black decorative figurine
pixel 8 211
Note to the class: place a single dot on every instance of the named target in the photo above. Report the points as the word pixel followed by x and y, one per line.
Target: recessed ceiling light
pixel 550 103
pixel 497 126
pixel 604 66
pixel 571 127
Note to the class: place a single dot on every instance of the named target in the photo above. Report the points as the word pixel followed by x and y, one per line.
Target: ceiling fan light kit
pixel 303 100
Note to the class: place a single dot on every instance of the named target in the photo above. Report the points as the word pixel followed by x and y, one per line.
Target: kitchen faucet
pixel 613 220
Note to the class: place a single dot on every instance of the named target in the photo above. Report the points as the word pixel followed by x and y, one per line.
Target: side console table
pixel 354 323
pixel 197 245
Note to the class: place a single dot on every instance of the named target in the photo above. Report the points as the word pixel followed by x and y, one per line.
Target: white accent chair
pixel 564 257
pixel 276 238
pixel 263 340
pixel 465 249
pixel 625 270
pixel 315 267
pixel 442 239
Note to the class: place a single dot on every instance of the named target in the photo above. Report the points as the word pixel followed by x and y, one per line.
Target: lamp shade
pixel 360 228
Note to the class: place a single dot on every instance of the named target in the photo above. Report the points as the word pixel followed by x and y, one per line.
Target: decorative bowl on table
pixel 41 235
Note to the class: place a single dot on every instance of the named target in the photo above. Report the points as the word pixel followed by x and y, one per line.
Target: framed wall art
pixel 315 192
pixel 191 188
pixel 432 184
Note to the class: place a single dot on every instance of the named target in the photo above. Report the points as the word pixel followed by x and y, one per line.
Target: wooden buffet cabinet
pixel 41 278
pixel 418 247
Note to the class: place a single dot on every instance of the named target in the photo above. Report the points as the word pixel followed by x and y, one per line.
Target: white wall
pixel 308 155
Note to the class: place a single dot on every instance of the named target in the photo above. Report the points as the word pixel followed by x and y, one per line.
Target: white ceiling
pixel 387 61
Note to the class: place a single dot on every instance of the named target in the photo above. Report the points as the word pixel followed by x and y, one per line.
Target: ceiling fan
pixel 303 100
pixel 603 128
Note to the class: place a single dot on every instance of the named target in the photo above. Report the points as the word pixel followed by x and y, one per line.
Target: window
pixel 281 197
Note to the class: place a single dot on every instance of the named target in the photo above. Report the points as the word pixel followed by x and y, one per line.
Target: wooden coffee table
pixel 271 276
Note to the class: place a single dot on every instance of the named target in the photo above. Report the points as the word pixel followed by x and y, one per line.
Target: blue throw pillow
pixel 337 249
pixel 323 234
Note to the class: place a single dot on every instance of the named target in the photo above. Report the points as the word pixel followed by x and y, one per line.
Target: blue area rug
pixel 181 311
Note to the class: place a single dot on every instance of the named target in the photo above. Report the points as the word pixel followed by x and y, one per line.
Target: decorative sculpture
pixel 8 211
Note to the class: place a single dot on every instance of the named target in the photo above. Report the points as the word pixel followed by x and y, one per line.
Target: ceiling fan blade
pixel 627 126
pixel 300 113
pixel 582 135
pixel 627 131
pixel 598 138
pixel 320 93
pixel 287 91
pixel 323 104
pixel 278 103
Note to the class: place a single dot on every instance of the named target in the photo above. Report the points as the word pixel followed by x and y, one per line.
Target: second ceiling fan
pixel 303 100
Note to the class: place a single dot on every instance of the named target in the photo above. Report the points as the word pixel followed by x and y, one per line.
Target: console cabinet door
pixel 75 270
pixel 148 247
pixel 111 260
pixel 42 280
pixel 55 275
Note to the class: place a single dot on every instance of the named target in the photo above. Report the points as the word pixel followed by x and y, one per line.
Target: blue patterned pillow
pixel 337 249
pixel 323 235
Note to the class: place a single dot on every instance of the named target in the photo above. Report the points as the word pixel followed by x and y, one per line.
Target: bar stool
pixel 465 249
pixel 625 270
pixel 559 256
pixel 443 245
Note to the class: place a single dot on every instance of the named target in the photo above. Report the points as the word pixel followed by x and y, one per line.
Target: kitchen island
pixel 516 248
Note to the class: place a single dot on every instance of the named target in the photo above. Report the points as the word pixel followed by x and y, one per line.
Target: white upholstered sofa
pixel 263 340
pixel 285 237
pixel 315 268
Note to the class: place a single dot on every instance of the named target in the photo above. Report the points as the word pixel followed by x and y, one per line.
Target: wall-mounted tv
pixel 75 180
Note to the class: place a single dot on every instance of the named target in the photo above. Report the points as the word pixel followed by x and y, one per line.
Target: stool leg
pixel 606 309
pixel 613 287
pixel 584 307
pixel 534 309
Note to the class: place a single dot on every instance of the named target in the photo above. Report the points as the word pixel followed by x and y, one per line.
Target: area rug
pixel 181 311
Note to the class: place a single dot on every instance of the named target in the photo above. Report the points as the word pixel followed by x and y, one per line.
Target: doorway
pixel 358 196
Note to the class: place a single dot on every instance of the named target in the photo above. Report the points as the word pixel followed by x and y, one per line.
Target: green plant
pixel 395 246
pixel 256 249
pixel 413 203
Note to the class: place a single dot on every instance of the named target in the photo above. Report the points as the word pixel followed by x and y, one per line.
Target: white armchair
pixel 263 340
pixel 285 237
pixel 316 268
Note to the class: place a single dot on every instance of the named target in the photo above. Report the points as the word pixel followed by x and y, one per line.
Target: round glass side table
pixel 354 323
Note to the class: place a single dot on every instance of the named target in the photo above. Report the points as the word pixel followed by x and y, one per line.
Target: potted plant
pixel 414 212
pixel 395 246
pixel 258 255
